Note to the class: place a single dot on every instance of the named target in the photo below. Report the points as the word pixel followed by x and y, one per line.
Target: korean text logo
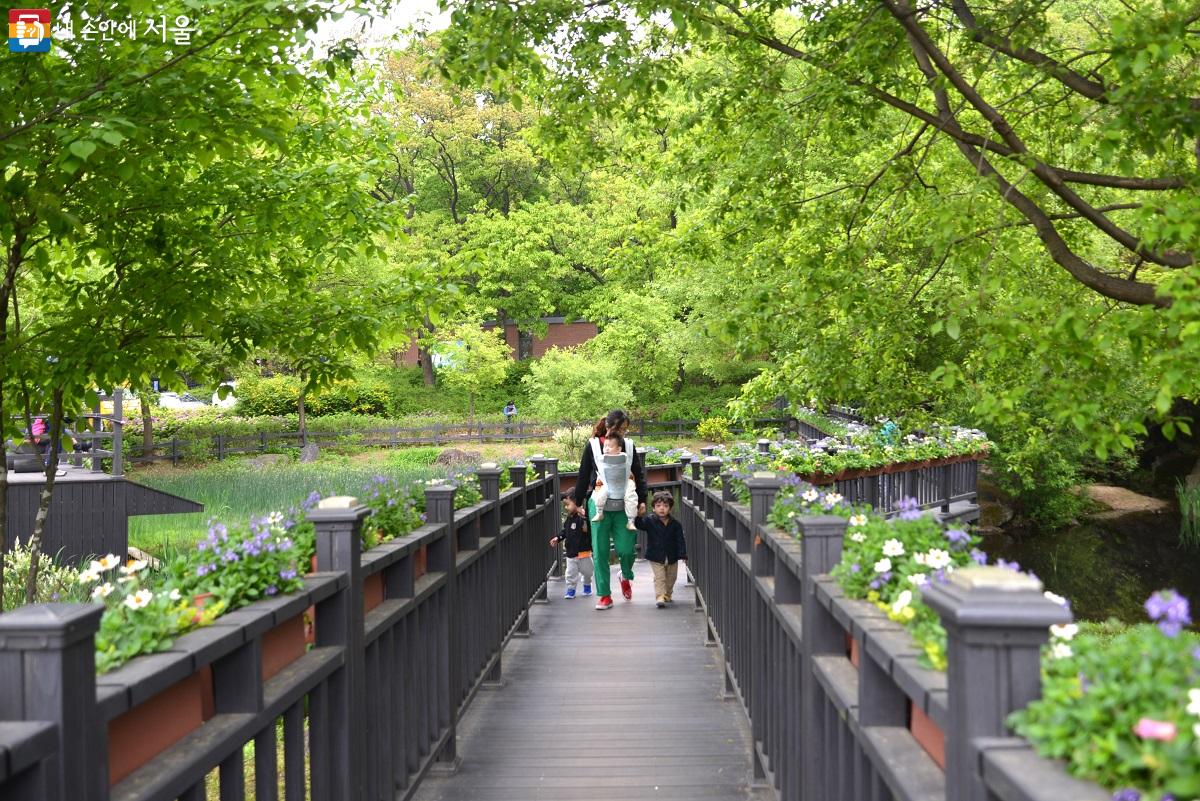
pixel 29 30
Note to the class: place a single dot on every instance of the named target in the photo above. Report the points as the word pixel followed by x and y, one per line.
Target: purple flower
pixel 978 556
pixel 1127 795
pixel 272 589
pixel 940 576
pixel 910 508
pixel 1196 654
pixel 1010 565
pixel 230 556
pixel 1170 611
pixel 874 584
pixel 311 501
pixel 288 573
pixel 423 518
pixel 854 568
pixel 1084 684
pixel 957 537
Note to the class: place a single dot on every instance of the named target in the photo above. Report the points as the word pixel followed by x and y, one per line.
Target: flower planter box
pixel 419 558
pixel 927 735
pixel 283 645
pixel 372 591
pixel 660 474
pixel 145 731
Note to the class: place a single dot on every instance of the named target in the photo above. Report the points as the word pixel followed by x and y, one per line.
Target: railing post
pixel 685 489
pixel 763 488
pixel 707 450
pixel 443 557
pixel 764 446
pixel 338 523
pixel 822 549
pixel 489 486
pixel 559 568
pixel 712 469
pixel 48 661
pixel 517 474
pixel 947 473
pixel 996 621
pixel 118 444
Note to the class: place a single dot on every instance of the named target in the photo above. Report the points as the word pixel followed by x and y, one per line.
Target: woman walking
pixel 612 529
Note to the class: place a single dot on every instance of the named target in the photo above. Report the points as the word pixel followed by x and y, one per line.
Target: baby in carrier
pixel 616 481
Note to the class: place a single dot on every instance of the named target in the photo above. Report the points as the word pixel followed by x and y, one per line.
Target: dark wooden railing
pixel 399 640
pixel 839 706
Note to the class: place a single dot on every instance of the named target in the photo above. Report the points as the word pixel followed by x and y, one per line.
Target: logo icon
pixel 29 30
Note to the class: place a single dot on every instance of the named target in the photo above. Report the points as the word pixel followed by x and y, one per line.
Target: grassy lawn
pixel 236 489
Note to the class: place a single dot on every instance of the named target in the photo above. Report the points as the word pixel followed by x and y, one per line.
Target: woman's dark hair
pixel 617 438
pixel 601 428
pixel 615 419
pixel 665 497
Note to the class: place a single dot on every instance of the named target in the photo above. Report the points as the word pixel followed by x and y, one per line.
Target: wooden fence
pixel 838 704
pixel 402 637
pixel 221 446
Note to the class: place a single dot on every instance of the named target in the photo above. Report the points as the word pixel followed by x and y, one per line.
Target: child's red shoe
pixel 605 602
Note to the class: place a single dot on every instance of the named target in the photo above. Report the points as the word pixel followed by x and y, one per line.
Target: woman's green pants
pixel 609 532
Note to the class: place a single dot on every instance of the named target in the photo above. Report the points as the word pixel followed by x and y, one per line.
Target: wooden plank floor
pixel 605 706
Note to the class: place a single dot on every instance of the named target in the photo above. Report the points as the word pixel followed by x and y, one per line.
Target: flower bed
pixel 1123 710
pixel 864 452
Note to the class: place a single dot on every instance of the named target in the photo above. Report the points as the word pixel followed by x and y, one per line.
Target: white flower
pixel 139 600
pixel 1194 699
pixel 902 600
pixel 1060 650
pixel 921 558
pixel 103 591
pixel 893 547
pixel 1058 599
pixel 918 579
pixel 858 536
pixel 89 576
pixel 175 595
pixel 1065 632
pixel 833 498
pixel 107 563
pixel 133 566
pixel 858 520
pixel 125 579
pixel 810 495
pixel 883 565
pixel 937 559
pixel 275 518
pixel 791 515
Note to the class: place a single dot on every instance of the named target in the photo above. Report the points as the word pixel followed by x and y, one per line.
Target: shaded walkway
pixel 624 704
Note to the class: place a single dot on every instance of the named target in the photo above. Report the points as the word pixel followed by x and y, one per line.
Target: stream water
pixel 1108 564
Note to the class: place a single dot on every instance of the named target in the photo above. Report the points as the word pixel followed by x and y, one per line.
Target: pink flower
pixel 1149 729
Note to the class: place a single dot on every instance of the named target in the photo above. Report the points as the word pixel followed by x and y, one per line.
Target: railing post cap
pixel 822 526
pixel 763 441
pixel 439 486
pixel 764 479
pixel 994 597
pixel 48 627
pixel 712 460
pixel 489 466
pixel 537 457
pixel 338 509
pixel 337 502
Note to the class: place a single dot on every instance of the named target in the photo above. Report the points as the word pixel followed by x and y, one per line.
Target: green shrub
pixel 565 385
pixel 714 429
pixel 55 582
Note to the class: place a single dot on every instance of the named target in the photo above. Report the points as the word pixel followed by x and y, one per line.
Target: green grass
pixel 1189 514
pixel 235 490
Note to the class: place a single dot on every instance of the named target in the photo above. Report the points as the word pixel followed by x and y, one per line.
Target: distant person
pixel 611 531
pixel 665 546
pixel 616 481
pixel 576 538
pixel 510 411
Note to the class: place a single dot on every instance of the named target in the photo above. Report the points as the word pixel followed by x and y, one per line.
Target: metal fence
pixel 838 704
pixel 401 637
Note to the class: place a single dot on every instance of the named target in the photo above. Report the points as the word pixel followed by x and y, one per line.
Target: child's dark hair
pixel 617 438
pixel 665 497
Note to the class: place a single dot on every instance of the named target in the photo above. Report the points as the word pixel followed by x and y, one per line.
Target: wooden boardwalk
pixel 605 706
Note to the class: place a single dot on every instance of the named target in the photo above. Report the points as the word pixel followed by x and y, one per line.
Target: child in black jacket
pixel 664 546
pixel 576 538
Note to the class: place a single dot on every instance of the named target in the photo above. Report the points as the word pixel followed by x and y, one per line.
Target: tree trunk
pixel 303 419
pixel 39 522
pixel 427 366
pixel 472 403
pixel 147 423
pixel 679 378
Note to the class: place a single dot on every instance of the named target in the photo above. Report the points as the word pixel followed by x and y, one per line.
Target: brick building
pixel 560 333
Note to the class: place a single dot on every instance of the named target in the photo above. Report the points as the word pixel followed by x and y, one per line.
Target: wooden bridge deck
pixel 605 706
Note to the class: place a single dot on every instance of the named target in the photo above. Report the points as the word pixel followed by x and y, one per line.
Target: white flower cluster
pixel 936 559
pixel 1059 637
